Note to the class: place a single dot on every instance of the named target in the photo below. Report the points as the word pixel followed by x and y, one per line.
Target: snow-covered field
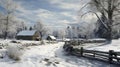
pixel 49 55
pixel 115 45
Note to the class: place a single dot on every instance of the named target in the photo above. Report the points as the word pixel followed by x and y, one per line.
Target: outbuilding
pixel 51 38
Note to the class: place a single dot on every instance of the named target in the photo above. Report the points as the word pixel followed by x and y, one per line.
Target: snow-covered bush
pixel 43 42
pixel 3 45
pixel 15 51
pixel 2 53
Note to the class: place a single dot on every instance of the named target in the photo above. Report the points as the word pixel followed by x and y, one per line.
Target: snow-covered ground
pixel 50 55
pixel 115 45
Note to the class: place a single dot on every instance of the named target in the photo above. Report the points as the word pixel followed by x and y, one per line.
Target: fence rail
pixel 111 56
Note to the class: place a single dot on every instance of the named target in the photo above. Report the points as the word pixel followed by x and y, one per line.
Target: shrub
pixel 13 41
pixel 15 51
pixel 43 42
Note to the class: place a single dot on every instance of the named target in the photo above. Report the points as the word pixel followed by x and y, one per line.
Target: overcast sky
pixel 54 13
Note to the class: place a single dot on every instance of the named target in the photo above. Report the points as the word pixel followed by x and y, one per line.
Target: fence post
pixel 81 51
pixel 65 42
pixel 110 56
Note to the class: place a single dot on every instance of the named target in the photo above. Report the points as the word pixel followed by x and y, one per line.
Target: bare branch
pixel 98 4
pixel 83 6
pixel 116 15
pixel 103 7
pixel 115 24
pixel 97 17
pixel 117 4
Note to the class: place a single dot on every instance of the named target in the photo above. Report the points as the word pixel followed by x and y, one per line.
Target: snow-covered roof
pixel 26 33
pixel 52 37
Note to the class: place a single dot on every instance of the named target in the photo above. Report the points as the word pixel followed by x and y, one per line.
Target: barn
pixel 28 35
pixel 51 38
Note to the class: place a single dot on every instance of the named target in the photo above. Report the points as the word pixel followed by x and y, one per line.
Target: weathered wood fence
pixel 83 41
pixel 111 56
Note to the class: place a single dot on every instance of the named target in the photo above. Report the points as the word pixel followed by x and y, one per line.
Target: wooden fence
pixel 111 56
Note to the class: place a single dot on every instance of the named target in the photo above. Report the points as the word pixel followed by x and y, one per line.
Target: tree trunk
pixel 110 20
pixel 6 30
pixel 109 36
pixel 41 35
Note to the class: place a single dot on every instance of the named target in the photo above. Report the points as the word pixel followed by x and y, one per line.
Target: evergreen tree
pixel 30 28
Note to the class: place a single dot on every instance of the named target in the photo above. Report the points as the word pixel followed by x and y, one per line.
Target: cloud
pixel 65 21
pixel 53 17
pixel 67 4
pixel 42 13
pixel 46 14
pixel 26 15
pixel 54 13
pixel 70 15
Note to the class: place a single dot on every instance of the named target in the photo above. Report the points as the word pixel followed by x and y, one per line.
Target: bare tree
pixel 21 26
pixel 55 33
pixel 59 34
pixel 62 33
pixel 39 26
pixel 69 32
pixel 1 24
pixel 30 28
pixel 109 9
pixel 9 6
pixel 86 30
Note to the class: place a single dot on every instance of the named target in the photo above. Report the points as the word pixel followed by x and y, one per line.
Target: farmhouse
pixel 51 38
pixel 28 35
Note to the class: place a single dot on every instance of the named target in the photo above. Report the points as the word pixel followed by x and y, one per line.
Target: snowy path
pixel 51 55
